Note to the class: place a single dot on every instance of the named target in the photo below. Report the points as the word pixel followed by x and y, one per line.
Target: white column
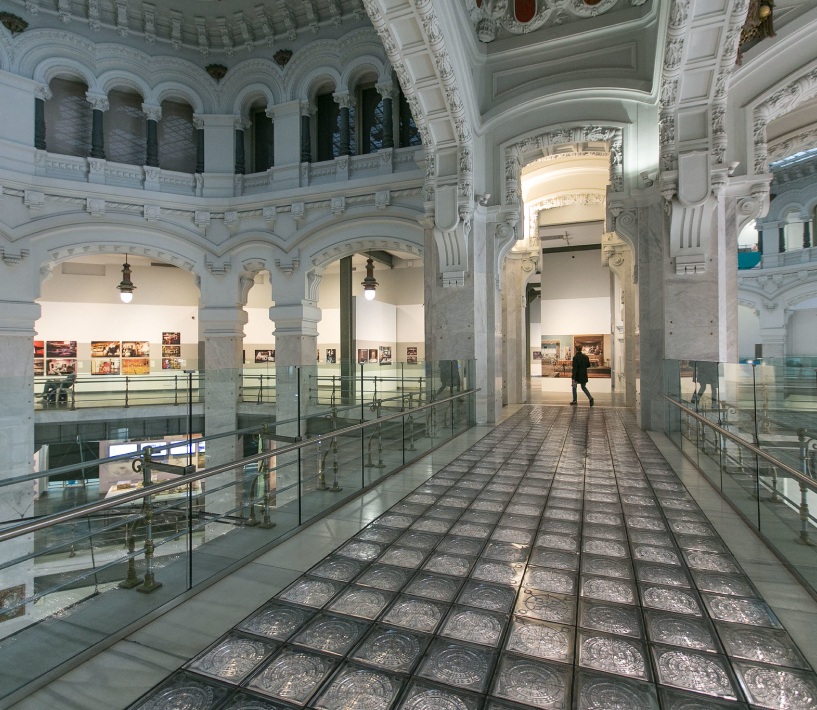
pixel 514 380
pixel 219 155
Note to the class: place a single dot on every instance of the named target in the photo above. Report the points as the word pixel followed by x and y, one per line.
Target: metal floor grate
pixel 558 563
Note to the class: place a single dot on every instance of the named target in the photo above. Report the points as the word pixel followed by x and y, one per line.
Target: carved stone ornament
pixel 282 57
pixel 13 23
pixel 217 71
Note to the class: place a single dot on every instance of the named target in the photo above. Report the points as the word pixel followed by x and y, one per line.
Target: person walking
pixel 580 364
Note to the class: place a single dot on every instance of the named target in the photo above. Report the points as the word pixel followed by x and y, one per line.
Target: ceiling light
pixel 126 287
pixel 369 283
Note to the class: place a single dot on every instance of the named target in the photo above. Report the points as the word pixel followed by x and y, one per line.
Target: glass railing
pixel 751 428
pixel 161 516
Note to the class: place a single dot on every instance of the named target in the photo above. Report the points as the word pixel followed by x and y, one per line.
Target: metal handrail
pixel 83 510
pixel 794 473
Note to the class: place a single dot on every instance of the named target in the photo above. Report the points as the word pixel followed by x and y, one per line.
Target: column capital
pixel 241 124
pixel 99 102
pixel 43 92
pixel 152 112
pixel 307 108
pixel 296 318
pixel 198 122
pixel 344 99
pixel 17 318
pixel 386 89
pixel 223 321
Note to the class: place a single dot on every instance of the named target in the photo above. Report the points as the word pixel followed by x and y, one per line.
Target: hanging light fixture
pixel 369 283
pixel 126 287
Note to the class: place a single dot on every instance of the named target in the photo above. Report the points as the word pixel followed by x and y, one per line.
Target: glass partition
pixel 99 554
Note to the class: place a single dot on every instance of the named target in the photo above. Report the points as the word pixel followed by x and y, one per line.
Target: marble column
pixel 387 93
pixel 99 105
pixel 42 94
pixel 153 114
pixel 199 124
pixel 517 268
pixel 222 333
pixel 345 101
pixel 348 348
pixel 306 139
pixel 17 319
pixel 240 159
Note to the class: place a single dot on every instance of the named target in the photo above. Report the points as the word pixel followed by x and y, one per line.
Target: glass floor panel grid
pixel 557 563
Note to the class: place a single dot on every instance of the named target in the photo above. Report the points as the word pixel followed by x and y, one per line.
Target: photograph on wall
pixel 171 350
pixel 537 354
pixel 105 348
pixel 385 355
pixel 331 356
pixel 135 348
pixel 264 356
pixel 373 356
pixel 551 354
pixel 61 367
pixel 39 348
pixel 592 346
pixel 39 368
pixel 411 356
pixel 171 338
pixel 102 366
pixel 61 348
pixel 135 366
pixel 362 356
pixel 171 363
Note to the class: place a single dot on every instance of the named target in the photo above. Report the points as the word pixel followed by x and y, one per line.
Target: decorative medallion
pixel 402 557
pixel 364 551
pixel 310 592
pixel 610 618
pixel 472 625
pixel 293 676
pixel 359 689
pixel 608 589
pixel 332 634
pixel 458 665
pixel 416 614
pixel 671 599
pixel 449 564
pixel 532 683
pixel 232 658
pixel 702 673
pixel 540 639
pixel 391 649
pixel 550 580
pixel 612 655
pixel 778 688
pixel 276 621
pixel 487 596
pixel 363 602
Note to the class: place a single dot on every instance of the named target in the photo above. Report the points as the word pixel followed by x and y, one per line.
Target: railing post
pixel 131 580
pixel 126 389
pixel 150 584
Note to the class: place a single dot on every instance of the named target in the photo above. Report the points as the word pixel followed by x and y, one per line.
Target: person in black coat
pixel 580 364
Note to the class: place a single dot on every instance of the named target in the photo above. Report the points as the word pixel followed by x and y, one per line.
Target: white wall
pixel 802 332
pixel 576 316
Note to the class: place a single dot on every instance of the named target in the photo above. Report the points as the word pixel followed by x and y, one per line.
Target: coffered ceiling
pixel 207 27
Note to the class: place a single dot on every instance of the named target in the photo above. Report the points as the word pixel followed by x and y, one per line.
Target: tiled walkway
pixel 558 563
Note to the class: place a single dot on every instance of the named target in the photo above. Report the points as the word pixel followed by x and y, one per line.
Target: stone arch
pixel 60 67
pixel 248 95
pixel 318 79
pixel 359 67
pixel 117 80
pixel 173 91
pixel 257 74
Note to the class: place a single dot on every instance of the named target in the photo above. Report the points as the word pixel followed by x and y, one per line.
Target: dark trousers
pixel 584 389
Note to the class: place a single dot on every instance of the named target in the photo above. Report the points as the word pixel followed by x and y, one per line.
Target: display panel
pixel 61 367
pixel 105 367
pixel 385 355
pixel 362 356
pixel 39 368
pixel 39 348
pixel 171 338
pixel 171 350
pixel 331 356
pixel 262 356
pixel 135 348
pixel 171 364
pixel 373 356
pixel 61 348
pixel 592 346
pixel 136 366
pixel 122 449
pixel 105 348
pixel 411 356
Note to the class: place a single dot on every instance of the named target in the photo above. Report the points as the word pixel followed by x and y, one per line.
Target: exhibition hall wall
pixel 81 305
pixel 575 301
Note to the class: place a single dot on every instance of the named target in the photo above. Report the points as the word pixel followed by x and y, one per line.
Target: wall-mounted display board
pixel 61 367
pixel 411 356
pixel 105 348
pixel 592 346
pixel 135 348
pixel 171 338
pixel 537 354
pixel 385 355
pixel 103 366
pixel 362 356
pixel 171 363
pixel 262 356
pixel 135 366
pixel 61 349
pixel 373 359
pixel 331 356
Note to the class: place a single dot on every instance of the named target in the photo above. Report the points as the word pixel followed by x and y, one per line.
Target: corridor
pixel 558 562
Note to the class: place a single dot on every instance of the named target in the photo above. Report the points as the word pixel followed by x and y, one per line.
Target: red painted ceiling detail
pixel 524 10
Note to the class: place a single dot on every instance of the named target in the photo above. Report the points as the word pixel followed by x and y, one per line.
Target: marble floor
pixel 558 562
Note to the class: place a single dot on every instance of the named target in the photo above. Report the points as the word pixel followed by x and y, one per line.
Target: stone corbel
pixel 95 206
pixel 218 269
pixel 13 259
pixel 298 212
pixel 690 233
pixel 201 218
pixel 506 235
pixel 270 214
pixel 289 266
pixel 338 205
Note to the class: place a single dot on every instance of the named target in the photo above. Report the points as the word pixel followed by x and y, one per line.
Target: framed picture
pixel 39 348
pixel 135 366
pixel 171 363
pixel 592 346
pixel 385 355
pixel 373 356
pixel 362 356
pixel 135 348
pixel 550 350
pixel 61 348
pixel 171 350
pixel 171 338
pixel 262 356
pixel 102 366
pixel 537 354
pixel 331 355
pixel 411 356
pixel 61 367
pixel 39 368
pixel 105 348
